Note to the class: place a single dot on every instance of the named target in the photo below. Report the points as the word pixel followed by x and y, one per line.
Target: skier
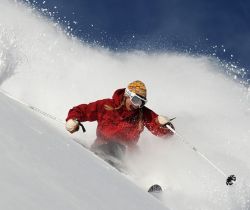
pixel 120 120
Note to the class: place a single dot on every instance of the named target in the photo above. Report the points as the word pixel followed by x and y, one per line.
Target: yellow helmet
pixel 138 87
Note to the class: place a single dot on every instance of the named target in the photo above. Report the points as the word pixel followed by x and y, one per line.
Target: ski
pixel 155 189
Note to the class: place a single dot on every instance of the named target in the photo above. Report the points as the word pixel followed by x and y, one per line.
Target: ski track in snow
pixel 43 67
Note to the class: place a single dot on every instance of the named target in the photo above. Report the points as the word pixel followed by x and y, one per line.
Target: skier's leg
pixel 113 149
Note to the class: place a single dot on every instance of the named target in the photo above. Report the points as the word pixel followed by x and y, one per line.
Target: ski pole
pixel 230 179
pixel 35 109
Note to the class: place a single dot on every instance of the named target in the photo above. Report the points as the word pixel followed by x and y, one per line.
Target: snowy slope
pixel 43 67
pixel 43 169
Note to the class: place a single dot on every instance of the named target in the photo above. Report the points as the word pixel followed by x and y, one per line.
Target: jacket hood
pixel 118 96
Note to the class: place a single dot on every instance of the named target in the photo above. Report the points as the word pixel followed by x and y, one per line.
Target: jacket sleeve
pixel 86 112
pixel 152 124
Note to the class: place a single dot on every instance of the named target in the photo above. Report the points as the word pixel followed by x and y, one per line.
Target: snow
pixel 43 168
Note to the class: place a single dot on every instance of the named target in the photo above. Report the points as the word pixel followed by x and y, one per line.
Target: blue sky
pixel 219 27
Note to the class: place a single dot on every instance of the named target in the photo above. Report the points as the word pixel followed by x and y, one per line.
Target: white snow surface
pixel 43 168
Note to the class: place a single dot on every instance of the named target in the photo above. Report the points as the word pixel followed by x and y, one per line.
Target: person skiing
pixel 120 120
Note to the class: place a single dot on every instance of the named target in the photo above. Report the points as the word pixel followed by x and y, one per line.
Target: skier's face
pixel 136 100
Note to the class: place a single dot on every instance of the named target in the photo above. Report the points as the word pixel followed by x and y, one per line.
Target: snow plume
pixel 54 72
pixel 9 55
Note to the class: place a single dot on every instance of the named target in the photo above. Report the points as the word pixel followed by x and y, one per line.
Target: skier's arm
pixel 156 124
pixel 85 112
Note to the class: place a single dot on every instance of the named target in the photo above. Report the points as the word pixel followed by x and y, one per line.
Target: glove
pixel 162 120
pixel 72 125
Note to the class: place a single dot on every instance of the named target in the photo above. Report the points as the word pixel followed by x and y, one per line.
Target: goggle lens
pixel 135 99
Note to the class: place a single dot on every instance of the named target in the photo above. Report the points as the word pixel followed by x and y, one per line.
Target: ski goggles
pixel 135 99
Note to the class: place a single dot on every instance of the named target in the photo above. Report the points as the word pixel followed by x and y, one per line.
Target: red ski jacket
pixel 118 124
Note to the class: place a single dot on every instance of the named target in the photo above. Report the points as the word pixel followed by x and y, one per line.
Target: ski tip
pixel 155 188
